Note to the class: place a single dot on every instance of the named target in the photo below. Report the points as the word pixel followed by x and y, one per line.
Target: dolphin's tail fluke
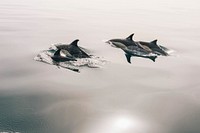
pixel 153 58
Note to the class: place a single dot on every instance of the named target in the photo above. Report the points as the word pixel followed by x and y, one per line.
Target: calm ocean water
pixel 142 97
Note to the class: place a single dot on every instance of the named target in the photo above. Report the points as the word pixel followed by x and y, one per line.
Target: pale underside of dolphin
pixel 57 57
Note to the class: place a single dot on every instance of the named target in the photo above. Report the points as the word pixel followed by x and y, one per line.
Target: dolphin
pixel 132 48
pixel 74 50
pixel 156 49
pixel 129 42
pixel 57 58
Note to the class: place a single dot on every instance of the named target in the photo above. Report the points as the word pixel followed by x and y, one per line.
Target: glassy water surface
pixel 160 97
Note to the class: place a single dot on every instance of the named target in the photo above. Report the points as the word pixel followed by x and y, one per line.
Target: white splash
pixel 93 62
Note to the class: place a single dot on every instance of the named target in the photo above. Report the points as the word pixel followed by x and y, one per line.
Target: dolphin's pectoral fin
pixel 130 37
pixel 74 43
pixel 128 57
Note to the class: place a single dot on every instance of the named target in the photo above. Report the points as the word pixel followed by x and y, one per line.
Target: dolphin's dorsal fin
pixel 154 42
pixel 74 43
pixel 128 57
pixel 130 37
pixel 57 53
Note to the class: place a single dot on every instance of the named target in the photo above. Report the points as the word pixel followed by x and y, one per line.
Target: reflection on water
pixel 117 124
pixel 160 97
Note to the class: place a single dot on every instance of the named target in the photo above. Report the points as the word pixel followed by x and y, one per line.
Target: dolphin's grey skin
pixel 151 47
pixel 129 42
pixel 159 50
pixel 132 48
pixel 58 58
pixel 74 50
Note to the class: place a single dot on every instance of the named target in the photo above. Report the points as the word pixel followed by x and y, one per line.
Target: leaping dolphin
pixel 74 49
pixel 159 50
pixel 130 42
pixel 132 48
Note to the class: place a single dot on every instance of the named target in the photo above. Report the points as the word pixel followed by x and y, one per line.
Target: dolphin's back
pixel 126 42
pixel 154 47
pixel 77 52
pixel 74 50
pixel 62 46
